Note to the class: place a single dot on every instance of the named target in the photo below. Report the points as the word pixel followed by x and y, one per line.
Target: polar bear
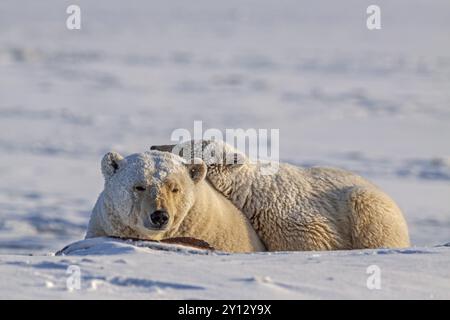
pixel 302 209
pixel 156 195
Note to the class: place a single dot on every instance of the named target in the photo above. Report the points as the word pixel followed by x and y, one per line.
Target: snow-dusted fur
pixel 140 184
pixel 303 209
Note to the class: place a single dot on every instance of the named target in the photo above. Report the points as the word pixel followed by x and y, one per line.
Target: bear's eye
pixel 139 188
pixel 175 190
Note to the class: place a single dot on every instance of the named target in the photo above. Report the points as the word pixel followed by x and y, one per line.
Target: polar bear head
pixel 147 195
pixel 227 166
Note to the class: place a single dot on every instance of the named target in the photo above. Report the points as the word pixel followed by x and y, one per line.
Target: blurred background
pixel 376 102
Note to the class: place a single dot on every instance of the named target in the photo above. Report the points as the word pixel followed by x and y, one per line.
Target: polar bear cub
pixel 156 195
pixel 298 208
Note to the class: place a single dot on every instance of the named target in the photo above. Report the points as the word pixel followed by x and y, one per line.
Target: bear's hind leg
pixel 376 221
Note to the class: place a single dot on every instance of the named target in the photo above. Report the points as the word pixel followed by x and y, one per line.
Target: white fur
pixel 199 211
pixel 308 209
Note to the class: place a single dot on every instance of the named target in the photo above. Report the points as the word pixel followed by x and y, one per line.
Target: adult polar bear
pixel 302 209
pixel 156 195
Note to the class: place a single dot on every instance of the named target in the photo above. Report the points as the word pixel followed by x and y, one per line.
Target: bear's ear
pixel 197 170
pixel 110 164
pixel 164 147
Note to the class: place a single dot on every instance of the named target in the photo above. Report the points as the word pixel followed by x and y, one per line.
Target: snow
pixel 112 269
pixel 376 102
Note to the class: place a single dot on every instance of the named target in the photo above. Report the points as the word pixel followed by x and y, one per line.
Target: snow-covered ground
pixel 376 102
pixel 110 269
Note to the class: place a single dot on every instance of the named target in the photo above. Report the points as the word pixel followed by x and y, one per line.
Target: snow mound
pixel 115 246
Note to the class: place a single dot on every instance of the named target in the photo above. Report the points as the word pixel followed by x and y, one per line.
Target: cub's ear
pixel 173 148
pixel 197 170
pixel 165 147
pixel 111 163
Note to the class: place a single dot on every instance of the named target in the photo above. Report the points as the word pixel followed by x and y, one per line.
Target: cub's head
pixel 223 161
pixel 147 195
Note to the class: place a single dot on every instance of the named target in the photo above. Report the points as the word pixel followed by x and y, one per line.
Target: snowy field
pixel 116 270
pixel 376 102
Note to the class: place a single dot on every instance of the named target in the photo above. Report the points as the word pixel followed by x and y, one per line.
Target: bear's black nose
pixel 159 218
